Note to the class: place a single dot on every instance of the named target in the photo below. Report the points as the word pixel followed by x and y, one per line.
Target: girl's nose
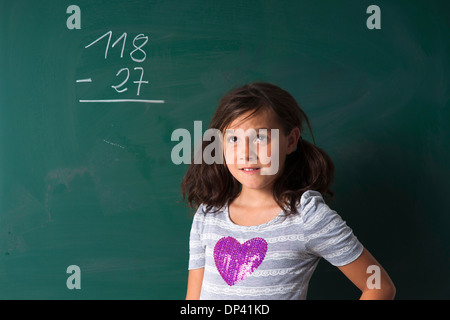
pixel 249 153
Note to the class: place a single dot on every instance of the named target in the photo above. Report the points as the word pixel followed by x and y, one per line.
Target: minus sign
pixel 85 80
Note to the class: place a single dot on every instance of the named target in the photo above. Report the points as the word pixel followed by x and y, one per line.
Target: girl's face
pixel 251 149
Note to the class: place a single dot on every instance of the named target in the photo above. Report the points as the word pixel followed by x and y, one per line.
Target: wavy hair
pixel 307 168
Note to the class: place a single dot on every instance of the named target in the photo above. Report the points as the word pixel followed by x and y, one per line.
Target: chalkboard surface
pixel 90 96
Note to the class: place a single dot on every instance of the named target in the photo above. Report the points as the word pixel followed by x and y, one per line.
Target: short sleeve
pixel 325 233
pixel 196 247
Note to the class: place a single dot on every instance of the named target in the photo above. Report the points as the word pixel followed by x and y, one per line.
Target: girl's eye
pixel 261 138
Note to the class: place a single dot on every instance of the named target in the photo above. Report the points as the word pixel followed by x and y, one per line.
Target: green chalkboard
pixel 90 96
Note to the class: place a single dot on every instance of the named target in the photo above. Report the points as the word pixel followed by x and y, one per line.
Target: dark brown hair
pixel 307 168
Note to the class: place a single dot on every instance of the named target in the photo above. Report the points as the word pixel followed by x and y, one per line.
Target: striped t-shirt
pixel 274 260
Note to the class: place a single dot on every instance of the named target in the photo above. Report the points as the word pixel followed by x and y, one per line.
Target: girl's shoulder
pixel 204 208
pixel 204 211
pixel 310 199
pixel 311 203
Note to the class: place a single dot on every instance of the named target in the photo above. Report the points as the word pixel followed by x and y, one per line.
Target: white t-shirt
pixel 274 260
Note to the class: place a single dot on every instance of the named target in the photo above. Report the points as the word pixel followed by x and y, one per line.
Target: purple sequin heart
pixel 235 261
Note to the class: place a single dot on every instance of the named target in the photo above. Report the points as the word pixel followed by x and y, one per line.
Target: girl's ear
pixel 293 140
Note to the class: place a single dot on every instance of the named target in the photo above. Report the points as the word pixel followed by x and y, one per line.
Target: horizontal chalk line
pixel 123 100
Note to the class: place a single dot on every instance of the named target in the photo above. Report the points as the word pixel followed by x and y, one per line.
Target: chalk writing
pixel 137 55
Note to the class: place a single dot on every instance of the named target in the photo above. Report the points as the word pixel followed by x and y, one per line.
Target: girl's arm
pixel 359 272
pixel 194 286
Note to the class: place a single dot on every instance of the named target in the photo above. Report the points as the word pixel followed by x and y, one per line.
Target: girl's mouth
pixel 250 170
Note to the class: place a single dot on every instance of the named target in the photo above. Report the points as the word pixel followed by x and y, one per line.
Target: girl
pixel 259 233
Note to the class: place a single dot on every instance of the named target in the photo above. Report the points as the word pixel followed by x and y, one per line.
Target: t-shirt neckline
pixel 252 227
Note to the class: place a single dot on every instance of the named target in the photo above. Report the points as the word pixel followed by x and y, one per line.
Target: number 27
pixel 119 88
